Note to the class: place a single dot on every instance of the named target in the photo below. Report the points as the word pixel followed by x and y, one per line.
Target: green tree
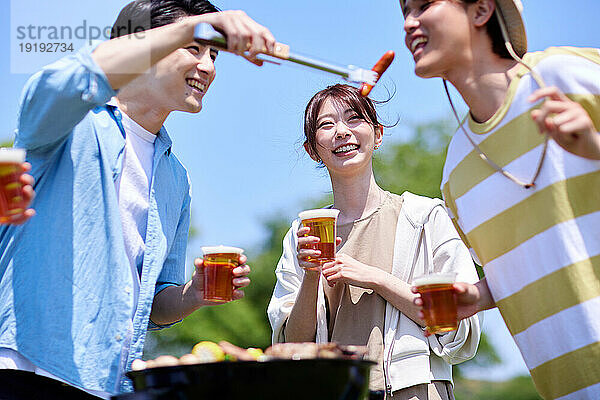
pixel 415 164
pixel 519 388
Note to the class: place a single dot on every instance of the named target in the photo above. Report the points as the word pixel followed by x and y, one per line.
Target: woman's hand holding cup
pixel 307 254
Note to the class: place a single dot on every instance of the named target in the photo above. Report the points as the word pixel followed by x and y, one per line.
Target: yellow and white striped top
pixel 540 247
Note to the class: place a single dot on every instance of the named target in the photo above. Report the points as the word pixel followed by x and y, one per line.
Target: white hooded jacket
pixel 425 241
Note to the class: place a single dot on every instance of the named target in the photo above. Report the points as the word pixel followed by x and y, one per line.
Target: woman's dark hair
pixel 339 94
pixel 140 15
pixel 495 33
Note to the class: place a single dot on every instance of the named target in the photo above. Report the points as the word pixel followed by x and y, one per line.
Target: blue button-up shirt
pixel 66 288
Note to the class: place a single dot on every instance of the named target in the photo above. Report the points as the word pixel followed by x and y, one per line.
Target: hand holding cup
pixel 224 273
pixel 438 299
pixel 16 187
pixel 317 238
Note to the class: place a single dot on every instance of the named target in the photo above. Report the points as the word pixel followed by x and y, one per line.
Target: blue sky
pixel 243 150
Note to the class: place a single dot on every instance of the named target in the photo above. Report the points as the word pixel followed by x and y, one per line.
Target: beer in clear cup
pixel 322 223
pixel 219 262
pixel 439 301
pixel 12 201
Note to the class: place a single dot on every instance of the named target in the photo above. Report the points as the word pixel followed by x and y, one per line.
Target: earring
pixel 376 147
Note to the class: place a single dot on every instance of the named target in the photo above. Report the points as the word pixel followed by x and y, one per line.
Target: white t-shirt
pixel 133 192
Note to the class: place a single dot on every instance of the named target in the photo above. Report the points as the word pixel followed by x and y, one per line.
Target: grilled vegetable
pixel 208 352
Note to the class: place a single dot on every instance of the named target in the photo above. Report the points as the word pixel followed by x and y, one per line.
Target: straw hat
pixel 510 12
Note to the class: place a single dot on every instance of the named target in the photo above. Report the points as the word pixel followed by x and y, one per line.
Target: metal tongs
pixel 205 34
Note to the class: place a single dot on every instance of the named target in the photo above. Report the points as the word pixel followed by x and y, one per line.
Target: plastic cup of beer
pixel 322 223
pixel 219 262
pixel 439 301
pixel 12 201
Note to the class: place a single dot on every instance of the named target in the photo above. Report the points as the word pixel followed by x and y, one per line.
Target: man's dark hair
pixel 495 33
pixel 140 15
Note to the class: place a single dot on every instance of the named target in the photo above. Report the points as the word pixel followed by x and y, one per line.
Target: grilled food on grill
pixel 208 352
pixel 307 350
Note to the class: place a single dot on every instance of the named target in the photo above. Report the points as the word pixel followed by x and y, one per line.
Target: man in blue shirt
pixel 104 258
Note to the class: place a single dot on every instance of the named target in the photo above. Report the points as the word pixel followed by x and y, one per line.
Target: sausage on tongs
pixel 380 67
